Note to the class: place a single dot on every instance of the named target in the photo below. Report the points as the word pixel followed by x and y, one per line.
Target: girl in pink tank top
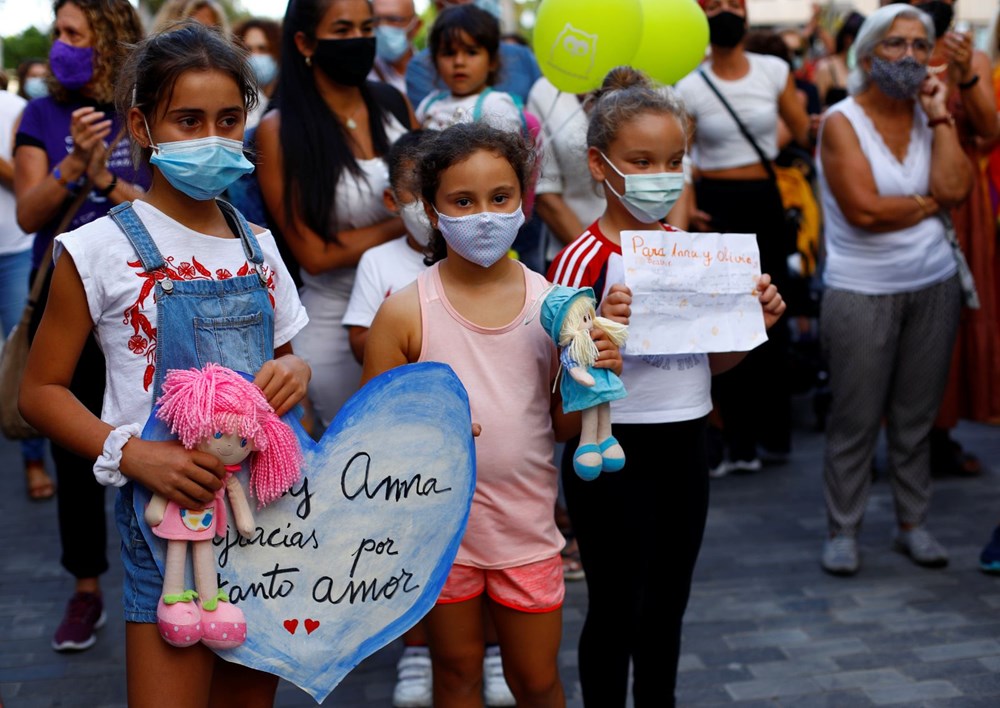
pixel 471 310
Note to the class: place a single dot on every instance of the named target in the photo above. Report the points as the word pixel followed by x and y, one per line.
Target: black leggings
pixel 631 527
pixel 754 399
pixel 80 500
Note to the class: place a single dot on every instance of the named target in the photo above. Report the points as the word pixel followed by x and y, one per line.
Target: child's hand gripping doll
pixel 217 411
pixel 568 316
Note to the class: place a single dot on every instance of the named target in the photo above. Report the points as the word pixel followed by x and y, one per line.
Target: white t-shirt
pixel 12 239
pixel 897 261
pixel 564 161
pixel 119 296
pixel 437 112
pixel 382 271
pixel 754 97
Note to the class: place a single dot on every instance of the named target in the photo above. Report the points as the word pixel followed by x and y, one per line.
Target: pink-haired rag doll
pixel 217 411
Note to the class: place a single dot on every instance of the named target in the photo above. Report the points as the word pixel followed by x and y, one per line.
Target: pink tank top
pixel 508 373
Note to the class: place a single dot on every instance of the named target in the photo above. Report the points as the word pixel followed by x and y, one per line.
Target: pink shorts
pixel 535 587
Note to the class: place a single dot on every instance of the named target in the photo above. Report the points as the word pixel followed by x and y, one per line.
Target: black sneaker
pixel 78 629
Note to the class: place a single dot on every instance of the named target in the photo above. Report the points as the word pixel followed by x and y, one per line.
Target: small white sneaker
pixel 495 689
pixel 413 679
pixel 921 547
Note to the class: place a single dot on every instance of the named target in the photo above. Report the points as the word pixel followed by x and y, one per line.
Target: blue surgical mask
pixel 36 87
pixel 265 68
pixel 490 6
pixel 648 197
pixel 483 238
pixel 202 168
pixel 391 43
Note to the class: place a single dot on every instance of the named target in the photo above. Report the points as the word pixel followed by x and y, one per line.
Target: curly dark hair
pixel 115 25
pixel 458 143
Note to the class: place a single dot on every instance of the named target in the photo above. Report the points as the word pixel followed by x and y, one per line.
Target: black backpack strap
pixel 392 100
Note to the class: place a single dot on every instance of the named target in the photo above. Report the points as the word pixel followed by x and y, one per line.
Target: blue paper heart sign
pixel 358 550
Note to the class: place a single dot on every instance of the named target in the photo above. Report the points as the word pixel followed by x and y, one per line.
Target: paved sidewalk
pixel 766 627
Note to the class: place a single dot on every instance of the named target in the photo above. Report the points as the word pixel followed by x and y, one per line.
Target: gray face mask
pixel 898 79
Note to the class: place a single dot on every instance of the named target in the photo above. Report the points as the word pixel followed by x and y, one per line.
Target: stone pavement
pixel 766 627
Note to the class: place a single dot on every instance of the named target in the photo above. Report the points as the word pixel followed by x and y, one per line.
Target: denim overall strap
pixel 201 320
pixel 135 231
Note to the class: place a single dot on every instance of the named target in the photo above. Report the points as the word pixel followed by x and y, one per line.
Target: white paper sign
pixel 692 293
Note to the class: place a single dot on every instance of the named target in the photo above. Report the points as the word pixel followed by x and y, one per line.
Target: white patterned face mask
pixel 416 222
pixel 482 238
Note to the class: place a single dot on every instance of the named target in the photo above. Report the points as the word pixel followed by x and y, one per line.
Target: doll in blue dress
pixel 568 315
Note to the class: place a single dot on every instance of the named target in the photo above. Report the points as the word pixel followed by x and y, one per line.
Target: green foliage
pixel 30 44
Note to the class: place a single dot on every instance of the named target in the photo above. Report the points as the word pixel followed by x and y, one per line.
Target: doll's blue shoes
pixel 179 619
pixel 588 462
pixel 612 455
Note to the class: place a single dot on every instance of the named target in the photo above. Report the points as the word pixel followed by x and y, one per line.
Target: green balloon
pixel 674 39
pixel 577 42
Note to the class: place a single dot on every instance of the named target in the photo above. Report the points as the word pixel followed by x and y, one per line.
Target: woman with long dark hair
pixel 322 175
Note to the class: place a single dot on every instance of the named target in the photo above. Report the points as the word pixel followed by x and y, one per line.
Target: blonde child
pixel 636 144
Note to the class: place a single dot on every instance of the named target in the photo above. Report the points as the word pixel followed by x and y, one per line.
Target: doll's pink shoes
pixel 224 625
pixel 179 619
pixel 612 456
pixel 587 462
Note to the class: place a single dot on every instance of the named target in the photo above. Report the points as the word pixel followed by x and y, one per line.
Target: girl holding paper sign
pixel 636 141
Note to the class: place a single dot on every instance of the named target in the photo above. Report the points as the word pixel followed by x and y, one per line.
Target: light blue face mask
pixel 35 87
pixel 265 68
pixel 648 197
pixel 391 43
pixel 490 6
pixel 202 168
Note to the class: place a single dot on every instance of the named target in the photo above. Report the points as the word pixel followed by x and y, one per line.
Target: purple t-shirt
pixel 45 124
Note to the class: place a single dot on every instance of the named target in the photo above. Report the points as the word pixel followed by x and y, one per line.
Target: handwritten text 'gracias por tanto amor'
pixel 656 254
pixel 356 484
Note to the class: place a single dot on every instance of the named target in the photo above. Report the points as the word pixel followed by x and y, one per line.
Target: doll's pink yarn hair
pixel 197 403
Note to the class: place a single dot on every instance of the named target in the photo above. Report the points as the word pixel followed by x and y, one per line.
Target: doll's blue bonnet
pixel 556 305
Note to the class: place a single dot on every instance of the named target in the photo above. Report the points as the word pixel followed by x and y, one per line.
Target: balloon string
pixel 550 134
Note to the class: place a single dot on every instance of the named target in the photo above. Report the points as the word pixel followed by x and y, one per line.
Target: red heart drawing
pixel 291 625
pixel 311 625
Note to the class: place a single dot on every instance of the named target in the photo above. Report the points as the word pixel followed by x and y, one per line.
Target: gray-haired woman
pixel 890 164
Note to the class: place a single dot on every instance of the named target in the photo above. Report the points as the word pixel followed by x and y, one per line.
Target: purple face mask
pixel 72 66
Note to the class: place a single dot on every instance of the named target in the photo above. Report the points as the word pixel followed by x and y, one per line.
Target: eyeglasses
pixel 895 47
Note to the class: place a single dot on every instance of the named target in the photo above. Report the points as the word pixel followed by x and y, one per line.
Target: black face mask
pixel 726 29
pixel 346 61
pixel 942 14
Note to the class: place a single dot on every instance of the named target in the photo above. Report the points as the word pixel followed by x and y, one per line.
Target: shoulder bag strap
pixel 743 129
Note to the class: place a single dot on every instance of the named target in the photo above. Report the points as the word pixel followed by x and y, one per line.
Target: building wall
pixel 796 12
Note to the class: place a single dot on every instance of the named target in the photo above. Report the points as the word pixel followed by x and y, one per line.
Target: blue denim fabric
pixel 15 270
pixel 228 322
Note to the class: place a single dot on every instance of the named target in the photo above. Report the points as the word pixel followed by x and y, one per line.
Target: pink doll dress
pixel 181 524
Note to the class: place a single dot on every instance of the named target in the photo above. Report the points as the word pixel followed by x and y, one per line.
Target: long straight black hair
pixel 315 146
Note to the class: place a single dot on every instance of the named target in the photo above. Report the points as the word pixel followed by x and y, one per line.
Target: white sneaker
pixel 495 689
pixel 413 679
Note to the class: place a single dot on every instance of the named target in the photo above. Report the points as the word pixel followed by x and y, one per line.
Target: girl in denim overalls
pixel 176 280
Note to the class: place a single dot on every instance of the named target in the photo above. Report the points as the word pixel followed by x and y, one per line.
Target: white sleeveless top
pixel 898 261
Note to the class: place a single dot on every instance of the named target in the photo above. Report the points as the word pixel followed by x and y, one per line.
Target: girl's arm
pixel 394 338
pixel 187 477
pixel 241 507
pixel 311 250
pixel 557 215
pixel 284 379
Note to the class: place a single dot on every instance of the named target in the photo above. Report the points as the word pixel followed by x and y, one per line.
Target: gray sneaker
pixel 921 547
pixel 840 555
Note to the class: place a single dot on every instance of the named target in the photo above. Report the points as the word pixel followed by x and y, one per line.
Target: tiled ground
pixel 765 628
